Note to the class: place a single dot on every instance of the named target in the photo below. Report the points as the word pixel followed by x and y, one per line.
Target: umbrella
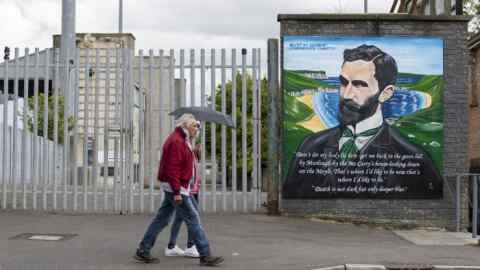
pixel 205 114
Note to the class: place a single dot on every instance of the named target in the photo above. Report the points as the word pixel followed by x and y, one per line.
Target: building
pixel 125 104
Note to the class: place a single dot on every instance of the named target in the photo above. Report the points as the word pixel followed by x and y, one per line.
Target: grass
pixel 293 136
pixel 294 82
pixel 294 110
pixel 420 124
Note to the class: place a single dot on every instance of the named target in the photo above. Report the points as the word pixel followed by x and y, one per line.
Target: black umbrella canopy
pixel 205 114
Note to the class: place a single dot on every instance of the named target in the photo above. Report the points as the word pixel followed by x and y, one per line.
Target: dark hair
pixel 385 66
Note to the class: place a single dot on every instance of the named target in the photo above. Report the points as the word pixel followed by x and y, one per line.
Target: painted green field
pixel 293 135
pixel 425 127
pixel 294 82
pixel 295 112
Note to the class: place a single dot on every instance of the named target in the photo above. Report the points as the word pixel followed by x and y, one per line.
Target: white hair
pixel 184 120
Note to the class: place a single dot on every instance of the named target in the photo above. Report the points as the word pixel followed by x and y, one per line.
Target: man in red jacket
pixel 176 174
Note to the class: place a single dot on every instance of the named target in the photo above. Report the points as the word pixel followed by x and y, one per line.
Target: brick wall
pixel 474 112
pixel 453 30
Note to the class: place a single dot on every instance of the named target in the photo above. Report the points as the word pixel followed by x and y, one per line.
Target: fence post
pixel 273 126
pixel 457 203
pixel 475 207
pixel 433 8
pixel 447 6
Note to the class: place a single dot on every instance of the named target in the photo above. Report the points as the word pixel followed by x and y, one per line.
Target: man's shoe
pixel 144 257
pixel 191 252
pixel 211 260
pixel 173 252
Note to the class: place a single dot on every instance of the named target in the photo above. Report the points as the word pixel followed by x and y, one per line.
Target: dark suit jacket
pixel 372 179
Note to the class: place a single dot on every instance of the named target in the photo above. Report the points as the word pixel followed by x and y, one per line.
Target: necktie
pixel 349 149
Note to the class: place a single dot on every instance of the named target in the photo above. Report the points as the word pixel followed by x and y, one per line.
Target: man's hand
pixel 178 199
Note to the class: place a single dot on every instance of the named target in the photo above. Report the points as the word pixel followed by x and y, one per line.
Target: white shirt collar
pixel 374 121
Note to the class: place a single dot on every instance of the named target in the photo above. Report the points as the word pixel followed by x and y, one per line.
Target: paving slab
pixel 437 238
pixel 248 241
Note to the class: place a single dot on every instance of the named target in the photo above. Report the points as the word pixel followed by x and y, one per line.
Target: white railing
pixel 117 103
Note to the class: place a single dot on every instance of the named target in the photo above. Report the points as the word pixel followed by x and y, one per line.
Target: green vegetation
pixel 425 128
pixel 294 82
pixel 294 110
pixel 293 135
pixel 302 71
pixel 51 115
pixel 425 83
pixel 238 109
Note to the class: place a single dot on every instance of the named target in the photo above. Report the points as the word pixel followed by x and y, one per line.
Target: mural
pixel 363 117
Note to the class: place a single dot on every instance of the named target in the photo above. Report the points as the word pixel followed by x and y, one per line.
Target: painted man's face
pixel 359 91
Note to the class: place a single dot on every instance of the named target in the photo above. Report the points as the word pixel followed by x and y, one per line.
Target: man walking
pixel 176 173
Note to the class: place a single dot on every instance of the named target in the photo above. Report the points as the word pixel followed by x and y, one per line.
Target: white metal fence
pixel 463 182
pixel 106 118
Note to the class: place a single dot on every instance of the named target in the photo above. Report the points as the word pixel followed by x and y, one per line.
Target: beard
pixel 351 113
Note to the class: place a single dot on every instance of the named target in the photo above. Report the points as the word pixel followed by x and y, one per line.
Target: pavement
pixel 247 241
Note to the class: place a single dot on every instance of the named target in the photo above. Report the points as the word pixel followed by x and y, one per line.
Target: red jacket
pixel 176 164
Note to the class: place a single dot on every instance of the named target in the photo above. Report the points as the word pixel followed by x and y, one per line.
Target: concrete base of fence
pixel 123 202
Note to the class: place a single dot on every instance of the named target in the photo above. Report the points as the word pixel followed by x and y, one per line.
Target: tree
pixel 472 8
pixel 239 130
pixel 51 115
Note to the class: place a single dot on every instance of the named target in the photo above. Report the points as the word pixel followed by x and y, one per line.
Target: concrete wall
pixel 100 40
pixel 453 30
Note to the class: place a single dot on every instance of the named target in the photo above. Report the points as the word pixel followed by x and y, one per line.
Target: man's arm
pixel 175 162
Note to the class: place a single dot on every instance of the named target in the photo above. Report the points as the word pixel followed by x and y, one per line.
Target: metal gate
pixel 93 145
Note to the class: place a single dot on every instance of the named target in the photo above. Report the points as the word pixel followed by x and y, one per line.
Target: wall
pixel 474 112
pixel 439 212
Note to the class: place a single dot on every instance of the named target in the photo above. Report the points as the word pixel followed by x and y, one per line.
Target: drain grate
pixel 43 236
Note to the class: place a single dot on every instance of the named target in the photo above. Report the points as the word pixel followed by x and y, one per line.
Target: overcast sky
pixel 165 24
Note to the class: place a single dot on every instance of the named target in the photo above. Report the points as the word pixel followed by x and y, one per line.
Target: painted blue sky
pixel 420 55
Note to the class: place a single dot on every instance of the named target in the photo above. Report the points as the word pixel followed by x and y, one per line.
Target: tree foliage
pixel 239 128
pixel 472 8
pixel 51 115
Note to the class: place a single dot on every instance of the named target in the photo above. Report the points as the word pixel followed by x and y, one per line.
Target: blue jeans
pixel 177 223
pixel 187 212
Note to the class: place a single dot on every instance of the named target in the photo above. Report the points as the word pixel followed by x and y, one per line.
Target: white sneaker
pixel 176 251
pixel 191 252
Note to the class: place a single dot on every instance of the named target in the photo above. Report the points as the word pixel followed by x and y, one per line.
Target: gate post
pixel 273 177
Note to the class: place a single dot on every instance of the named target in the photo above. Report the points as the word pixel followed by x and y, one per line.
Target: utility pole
pixel 120 16
pixel 67 45
pixel 274 95
pixel 68 29
pixel 365 6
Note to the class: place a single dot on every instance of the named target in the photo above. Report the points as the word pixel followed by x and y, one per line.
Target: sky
pixel 167 24
pixel 413 55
